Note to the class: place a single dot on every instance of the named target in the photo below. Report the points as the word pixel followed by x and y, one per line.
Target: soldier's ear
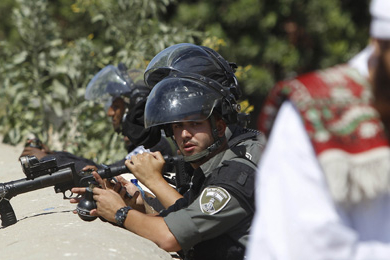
pixel 221 127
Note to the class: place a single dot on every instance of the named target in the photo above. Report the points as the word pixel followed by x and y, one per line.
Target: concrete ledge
pixel 48 229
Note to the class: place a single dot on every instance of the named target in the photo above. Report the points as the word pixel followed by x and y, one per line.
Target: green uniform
pixel 218 206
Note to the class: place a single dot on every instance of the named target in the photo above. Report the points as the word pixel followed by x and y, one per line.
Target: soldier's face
pixel 116 112
pixel 192 137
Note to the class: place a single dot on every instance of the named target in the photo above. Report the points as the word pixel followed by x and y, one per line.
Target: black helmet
pixel 180 98
pixel 112 82
pixel 189 97
pixel 190 58
pixel 191 83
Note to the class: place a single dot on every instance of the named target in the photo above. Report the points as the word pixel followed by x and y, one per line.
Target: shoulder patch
pixel 213 199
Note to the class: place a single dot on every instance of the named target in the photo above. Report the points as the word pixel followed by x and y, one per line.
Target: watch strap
pixel 121 215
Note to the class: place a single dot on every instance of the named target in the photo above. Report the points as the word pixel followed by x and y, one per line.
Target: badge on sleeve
pixel 213 199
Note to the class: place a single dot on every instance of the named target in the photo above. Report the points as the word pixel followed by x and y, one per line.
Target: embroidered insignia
pixel 213 199
pixel 248 156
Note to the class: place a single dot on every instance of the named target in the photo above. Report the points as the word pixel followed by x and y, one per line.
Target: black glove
pixel 133 128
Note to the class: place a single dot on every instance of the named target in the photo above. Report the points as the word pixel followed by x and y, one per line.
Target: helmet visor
pixel 175 100
pixel 183 57
pixel 107 85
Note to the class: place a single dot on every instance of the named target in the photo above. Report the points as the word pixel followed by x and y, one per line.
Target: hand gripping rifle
pixel 45 173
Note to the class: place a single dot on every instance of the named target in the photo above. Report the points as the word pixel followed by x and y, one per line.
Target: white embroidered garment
pixel 296 217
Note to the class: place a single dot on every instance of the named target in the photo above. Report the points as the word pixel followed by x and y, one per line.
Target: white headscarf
pixel 380 23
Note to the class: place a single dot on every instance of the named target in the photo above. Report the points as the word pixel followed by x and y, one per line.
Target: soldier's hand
pixel 108 202
pixel 90 168
pixel 33 151
pixel 147 167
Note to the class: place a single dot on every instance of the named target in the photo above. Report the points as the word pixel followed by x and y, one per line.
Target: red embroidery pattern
pixel 335 106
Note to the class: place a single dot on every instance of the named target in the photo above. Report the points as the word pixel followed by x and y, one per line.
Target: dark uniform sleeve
pixel 65 157
pixel 213 213
pixel 133 128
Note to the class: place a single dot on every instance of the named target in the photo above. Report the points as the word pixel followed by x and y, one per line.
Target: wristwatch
pixel 121 215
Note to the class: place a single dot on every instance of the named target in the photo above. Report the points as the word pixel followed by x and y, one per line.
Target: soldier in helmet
pixel 189 58
pixel 212 219
pixel 204 61
pixel 123 93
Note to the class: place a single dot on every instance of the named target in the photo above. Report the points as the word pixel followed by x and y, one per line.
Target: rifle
pixel 45 173
pixel 183 173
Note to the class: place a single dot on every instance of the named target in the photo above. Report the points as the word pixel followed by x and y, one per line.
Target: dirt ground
pixel 48 229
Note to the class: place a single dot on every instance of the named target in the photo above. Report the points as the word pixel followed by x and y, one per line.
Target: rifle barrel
pixel 17 187
pixel 113 171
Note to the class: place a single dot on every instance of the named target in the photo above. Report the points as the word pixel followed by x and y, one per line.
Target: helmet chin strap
pixel 120 128
pixel 213 147
pixel 204 153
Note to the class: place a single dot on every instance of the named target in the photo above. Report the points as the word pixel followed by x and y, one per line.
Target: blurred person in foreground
pixel 323 184
pixel 212 219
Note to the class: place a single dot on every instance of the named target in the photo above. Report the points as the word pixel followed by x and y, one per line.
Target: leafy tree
pixel 274 40
pixel 44 73
pixel 50 49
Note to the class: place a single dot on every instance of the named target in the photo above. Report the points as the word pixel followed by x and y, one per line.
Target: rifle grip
pixel 7 213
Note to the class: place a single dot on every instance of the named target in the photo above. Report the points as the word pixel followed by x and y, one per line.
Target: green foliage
pixel 44 73
pixel 7 29
pixel 281 38
pixel 50 49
